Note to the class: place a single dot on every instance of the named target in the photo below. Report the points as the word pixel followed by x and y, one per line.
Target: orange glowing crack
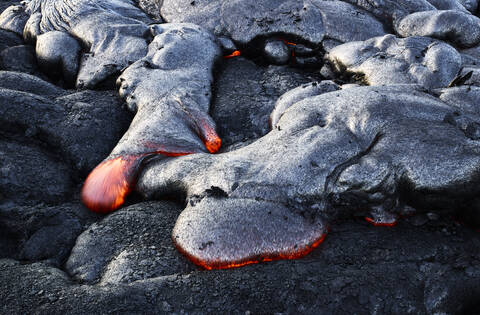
pixel 236 53
pixel 267 257
pixel 375 223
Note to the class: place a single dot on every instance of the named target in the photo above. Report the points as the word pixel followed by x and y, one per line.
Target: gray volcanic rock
pixel 470 5
pixel 345 22
pixel 245 95
pixel 201 12
pixel 389 11
pixel 291 97
pixel 246 20
pixel 170 90
pixel 14 19
pixel 83 126
pixel 55 60
pixel 390 60
pixel 277 52
pixel 337 153
pixel 28 83
pixel 307 21
pixel 450 5
pixel 114 32
pixel 470 75
pixel 129 245
pixel 466 98
pixel 460 28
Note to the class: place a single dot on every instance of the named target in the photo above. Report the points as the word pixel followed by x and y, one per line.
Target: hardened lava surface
pixel 328 148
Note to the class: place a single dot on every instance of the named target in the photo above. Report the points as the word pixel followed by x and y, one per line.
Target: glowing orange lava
pixel 109 183
pixel 112 180
pixel 299 253
pixel 374 223
pixel 236 53
pixel 210 138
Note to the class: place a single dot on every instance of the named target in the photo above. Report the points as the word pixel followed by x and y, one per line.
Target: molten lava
pixel 375 223
pixel 112 180
pixel 209 136
pixel 296 254
pixel 236 53
pixel 109 183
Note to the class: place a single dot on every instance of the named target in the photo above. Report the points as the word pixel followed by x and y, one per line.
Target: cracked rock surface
pixel 346 180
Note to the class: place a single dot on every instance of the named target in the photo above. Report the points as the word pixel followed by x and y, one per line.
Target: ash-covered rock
pixel 390 60
pixel 460 28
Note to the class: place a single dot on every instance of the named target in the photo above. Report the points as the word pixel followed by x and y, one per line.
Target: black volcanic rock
pixel 9 39
pixel 41 233
pixel 29 174
pixel 82 126
pixel 19 58
pixel 404 270
pixel 404 151
pixel 245 95
pixel 132 244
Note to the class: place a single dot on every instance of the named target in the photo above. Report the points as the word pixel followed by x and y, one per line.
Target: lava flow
pixel 112 180
pixel 236 53
pixel 296 254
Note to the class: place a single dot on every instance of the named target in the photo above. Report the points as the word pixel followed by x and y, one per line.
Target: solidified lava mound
pixel 329 148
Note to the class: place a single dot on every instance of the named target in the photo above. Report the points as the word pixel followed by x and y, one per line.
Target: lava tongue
pixel 110 182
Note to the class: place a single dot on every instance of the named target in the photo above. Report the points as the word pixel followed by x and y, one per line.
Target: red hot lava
pixel 296 254
pixel 236 53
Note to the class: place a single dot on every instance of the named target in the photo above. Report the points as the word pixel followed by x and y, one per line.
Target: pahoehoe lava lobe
pixel 170 89
pixel 359 151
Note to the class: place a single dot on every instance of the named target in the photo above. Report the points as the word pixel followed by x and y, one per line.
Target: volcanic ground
pixel 241 156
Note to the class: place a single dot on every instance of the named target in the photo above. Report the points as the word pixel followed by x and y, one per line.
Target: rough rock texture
pixel 391 60
pixel 245 95
pixel 458 27
pixel 339 154
pixel 170 90
pixel 308 21
pixel 405 270
pixel 67 123
pixel 19 58
pixel 40 232
pixel 129 245
pixel 360 149
pixel 114 32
